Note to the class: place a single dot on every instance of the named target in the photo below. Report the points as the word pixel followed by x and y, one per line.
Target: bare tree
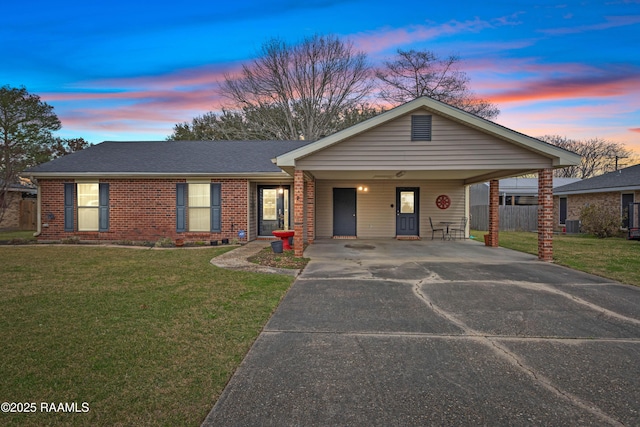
pixel 413 74
pixel 599 156
pixel 301 90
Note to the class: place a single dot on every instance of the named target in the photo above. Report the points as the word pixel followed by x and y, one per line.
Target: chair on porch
pixel 433 230
pixel 462 230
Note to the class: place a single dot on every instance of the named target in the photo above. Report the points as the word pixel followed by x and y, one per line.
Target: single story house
pixel 516 191
pixel 518 199
pixel 618 188
pixel 17 196
pixel 385 177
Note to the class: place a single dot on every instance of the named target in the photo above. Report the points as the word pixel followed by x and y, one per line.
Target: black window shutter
pixel 104 207
pixel 421 128
pixel 563 210
pixel 181 207
pixel 69 205
pixel 216 205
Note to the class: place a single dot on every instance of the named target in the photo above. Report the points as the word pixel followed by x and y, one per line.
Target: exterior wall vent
pixel 421 128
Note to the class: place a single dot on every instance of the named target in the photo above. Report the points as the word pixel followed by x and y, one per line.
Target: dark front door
pixel 344 211
pixel 563 210
pixel 627 199
pixel 407 202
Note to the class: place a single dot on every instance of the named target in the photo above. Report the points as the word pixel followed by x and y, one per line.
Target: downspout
pixel 467 209
pixel 38 208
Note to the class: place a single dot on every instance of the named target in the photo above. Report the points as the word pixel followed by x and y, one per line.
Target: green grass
pixel 615 258
pixel 17 235
pixel 145 337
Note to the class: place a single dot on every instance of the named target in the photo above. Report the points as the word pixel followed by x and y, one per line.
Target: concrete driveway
pixel 415 333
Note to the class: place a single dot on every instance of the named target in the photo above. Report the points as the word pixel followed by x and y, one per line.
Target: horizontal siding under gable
pixel 452 146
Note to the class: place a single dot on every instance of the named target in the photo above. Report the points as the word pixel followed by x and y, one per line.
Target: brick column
pixel 310 188
pixel 494 212
pixel 298 213
pixel 545 215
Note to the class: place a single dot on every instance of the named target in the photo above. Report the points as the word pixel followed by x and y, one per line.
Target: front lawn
pixel 17 237
pixel 615 258
pixel 144 337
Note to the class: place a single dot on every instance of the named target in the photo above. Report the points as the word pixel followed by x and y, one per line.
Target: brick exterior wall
pixel 11 218
pixel 311 209
pixel 575 203
pixel 143 210
pixel 545 215
pixel 494 212
pixel 298 212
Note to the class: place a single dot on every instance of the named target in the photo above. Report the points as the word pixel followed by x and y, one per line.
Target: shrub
pixel 601 221
pixel 73 240
pixel 165 242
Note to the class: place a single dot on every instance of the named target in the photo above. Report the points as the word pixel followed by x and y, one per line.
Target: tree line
pixel 304 90
pixel 321 85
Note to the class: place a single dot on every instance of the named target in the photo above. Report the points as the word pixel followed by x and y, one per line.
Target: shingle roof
pixel 171 157
pixel 623 179
pixel 529 185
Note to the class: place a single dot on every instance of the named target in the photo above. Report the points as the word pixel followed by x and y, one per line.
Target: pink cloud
pixel 581 122
pixel 207 75
pixel 569 87
pixel 637 130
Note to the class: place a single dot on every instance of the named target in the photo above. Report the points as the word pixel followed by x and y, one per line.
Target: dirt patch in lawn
pixel 286 259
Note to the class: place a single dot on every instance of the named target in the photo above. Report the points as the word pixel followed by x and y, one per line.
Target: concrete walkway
pixel 237 260
pixel 414 333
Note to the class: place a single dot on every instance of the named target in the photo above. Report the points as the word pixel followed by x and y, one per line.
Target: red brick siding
pixel 142 210
pixel 298 212
pixel 575 202
pixel 311 209
pixel 545 214
pixel 494 213
pixel 11 217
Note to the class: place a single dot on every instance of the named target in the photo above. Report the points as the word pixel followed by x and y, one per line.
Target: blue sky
pixel 127 70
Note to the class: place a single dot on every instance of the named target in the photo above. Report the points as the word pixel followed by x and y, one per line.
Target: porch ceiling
pixel 471 176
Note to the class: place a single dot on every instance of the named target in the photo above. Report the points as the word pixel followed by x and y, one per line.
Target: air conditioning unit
pixel 573 226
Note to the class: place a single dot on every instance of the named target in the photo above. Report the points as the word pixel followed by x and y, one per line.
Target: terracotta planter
pixel 179 242
pixel 486 240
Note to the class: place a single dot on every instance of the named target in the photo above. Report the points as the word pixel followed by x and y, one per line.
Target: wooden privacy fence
pixel 28 212
pixel 512 218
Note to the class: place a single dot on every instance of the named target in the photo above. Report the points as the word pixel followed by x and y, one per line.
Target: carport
pixel 350 184
pixel 383 332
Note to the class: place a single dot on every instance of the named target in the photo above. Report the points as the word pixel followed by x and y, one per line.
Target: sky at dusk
pixel 127 70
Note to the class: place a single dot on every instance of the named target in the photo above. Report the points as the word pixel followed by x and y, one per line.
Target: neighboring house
pixel 619 188
pixel 518 199
pixel 382 178
pixel 514 191
pixel 19 193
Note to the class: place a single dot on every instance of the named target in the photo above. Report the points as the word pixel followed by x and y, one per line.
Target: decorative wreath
pixel 443 201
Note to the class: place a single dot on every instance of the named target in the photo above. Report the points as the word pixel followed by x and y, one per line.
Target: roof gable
pixel 560 157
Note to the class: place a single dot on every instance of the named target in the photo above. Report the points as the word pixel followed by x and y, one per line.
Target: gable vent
pixel 421 128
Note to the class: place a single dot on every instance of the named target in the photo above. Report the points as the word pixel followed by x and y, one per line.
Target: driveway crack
pixel 514 360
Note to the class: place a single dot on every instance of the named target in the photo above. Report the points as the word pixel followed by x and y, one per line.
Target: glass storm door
pixel 273 209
